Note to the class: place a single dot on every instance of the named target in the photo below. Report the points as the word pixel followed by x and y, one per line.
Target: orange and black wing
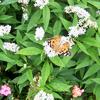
pixel 64 49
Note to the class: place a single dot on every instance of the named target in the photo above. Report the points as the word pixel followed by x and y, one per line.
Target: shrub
pixel 49 49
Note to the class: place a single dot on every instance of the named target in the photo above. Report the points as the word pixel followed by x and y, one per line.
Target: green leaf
pixel 45 73
pixel 37 59
pixel 15 6
pixel 10 21
pixel 57 59
pixel 84 1
pixel 7 2
pixel 56 5
pixel 71 2
pixel 91 42
pixel 59 86
pixel 31 36
pixel 90 32
pixel 84 62
pixel 34 20
pixel 96 91
pixel 75 20
pixel 29 51
pixel 18 37
pixel 65 23
pixel 98 22
pixel 5 17
pixel 94 3
pixel 21 27
pixel 21 86
pixel 57 27
pixel 4 57
pixel 22 78
pixel 9 66
pixel 1 45
pixel 96 80
pixel 98 39
pixel 57 96
pixel 92 70
pixel 8 36
pixel 46 17
pixel 29 75
pixel 94 54
pixel 82 47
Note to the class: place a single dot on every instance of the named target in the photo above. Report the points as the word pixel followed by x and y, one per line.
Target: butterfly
pixel 60 45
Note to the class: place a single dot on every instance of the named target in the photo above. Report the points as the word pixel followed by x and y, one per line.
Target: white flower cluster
pixel 81 27
pixel 11 46
pixel 75 31
pixel 25 2
pixel 39 33
pixel 83 23
pixel 41 3
pixel 98 12
pixel 25 13
pixel 87 22
pixel 50 52
pixel 41 95
pixel 25 16
pixel 4 29
pixel 81 13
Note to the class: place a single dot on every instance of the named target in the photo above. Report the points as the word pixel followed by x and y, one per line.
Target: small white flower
pixel 81 27
pixel 7 29
pixel 25 66
pixel 25 16
pixel 91 23
pixel 1 30
pixel 41 3
pixel 39 33
pixel 41 95
pixel 24 9
pixel 25 2
pixel 69 9
pixel 48 50
pixel 4 29
pixel 11 46
pixel 87 22
pixel 76 31
pixel 98 12
pixel 81 13
pixel 82 22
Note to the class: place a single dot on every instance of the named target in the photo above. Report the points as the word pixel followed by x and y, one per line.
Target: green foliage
pixel 45 72
pixel 29 51
pixel 34 20
pixel 57 74
pixel 46 17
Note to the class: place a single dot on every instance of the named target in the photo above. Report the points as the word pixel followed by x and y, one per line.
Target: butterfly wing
pixel 64 49
pixel 54 42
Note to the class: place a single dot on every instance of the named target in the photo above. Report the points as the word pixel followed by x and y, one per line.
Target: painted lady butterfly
pixel 60 44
